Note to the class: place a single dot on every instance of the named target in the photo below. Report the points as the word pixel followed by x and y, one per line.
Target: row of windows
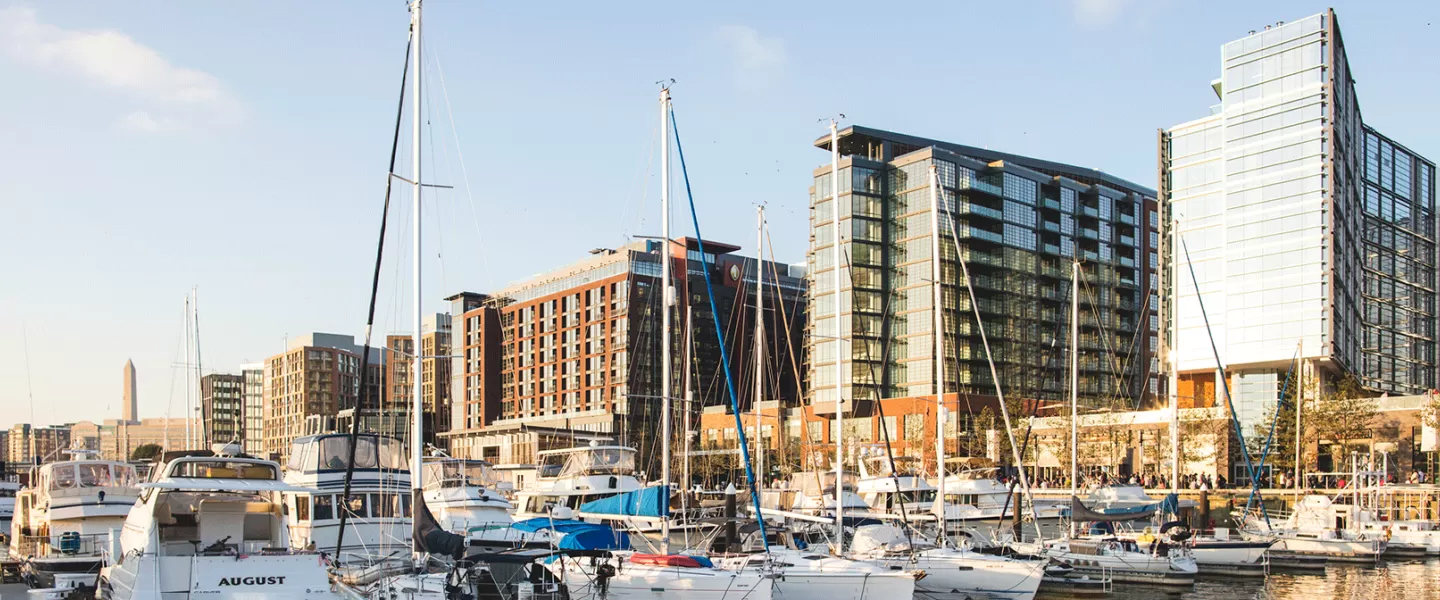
pixel 324 507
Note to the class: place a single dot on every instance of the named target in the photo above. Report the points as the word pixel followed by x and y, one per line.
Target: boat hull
pixel 841 586
pixel 949 573
pixel 1232 557
pixel 653 582
pixel 286 577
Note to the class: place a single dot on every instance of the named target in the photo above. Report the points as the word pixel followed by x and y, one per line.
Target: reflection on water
pixel 1403 580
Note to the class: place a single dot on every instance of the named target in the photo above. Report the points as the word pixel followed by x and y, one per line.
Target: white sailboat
pixel 212 525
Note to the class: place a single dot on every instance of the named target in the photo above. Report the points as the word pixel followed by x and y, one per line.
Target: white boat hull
pixel 650 582
pixel 150 577
pixel 840 586
pixel 951 572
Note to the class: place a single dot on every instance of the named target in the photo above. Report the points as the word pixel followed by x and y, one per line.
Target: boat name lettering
pixel 280 580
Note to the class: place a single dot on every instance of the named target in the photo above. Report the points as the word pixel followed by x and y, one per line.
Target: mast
pixel 667 300
pixel 839 346
pixel 1299 402
pixel 1074 383
pixel 759 340
pixel 939 316
pixel 417 434
pixel 189 387
pixel 689 399
pixel 199 375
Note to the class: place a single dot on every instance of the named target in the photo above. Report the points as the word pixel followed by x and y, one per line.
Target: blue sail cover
pixel 578 535
pixel 644 502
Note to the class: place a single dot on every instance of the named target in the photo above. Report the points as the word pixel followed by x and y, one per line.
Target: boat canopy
pixel 331 452
pixel 577 535
pixel 815 484
pixel 589 460
pixel 644 502
pixel 447 472
pixel 1080 512
pixel 905 466
pixel 86 474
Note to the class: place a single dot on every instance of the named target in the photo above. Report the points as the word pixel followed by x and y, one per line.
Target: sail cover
pixel 1080 512
pixel 429 536
pixel 644 502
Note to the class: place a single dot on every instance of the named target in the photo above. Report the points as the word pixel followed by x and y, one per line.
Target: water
pixel 1414 580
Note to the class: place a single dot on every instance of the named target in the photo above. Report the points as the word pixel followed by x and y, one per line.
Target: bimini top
pixel 330 452
pixel 588 460
pixel 222 474
pixel 77 474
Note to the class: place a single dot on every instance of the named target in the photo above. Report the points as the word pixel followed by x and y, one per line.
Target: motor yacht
pixel 378 522
pixel 65 522
pixel 212 525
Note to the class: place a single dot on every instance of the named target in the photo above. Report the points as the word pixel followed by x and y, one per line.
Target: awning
pixel 200 484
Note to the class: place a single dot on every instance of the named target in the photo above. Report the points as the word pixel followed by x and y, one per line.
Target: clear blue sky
pixel 240 147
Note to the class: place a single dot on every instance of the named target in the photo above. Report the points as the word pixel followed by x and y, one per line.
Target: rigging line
pixel 1270 435
pixel 29 383
pixel 645 189
pixel 1111 360
pixel 200 373
pixel 725 356
pixel 1229 403
pixel 364 385
pixel 435 209
pixel 464 173
pixel 880 406
pixel 790 347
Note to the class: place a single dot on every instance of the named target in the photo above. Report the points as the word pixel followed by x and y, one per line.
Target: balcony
pixel 1126 240
pixel 1093 234
pixel 968 208
pixel 1050 226
pixel 1127 219
pixel 1089 211
pixel 1050 203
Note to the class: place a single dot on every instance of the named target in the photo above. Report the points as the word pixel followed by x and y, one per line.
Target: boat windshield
pixel 914 496
pixel 603 460
pixel 220 468
pixel 65 476
pixel 453 472
pixel 332 453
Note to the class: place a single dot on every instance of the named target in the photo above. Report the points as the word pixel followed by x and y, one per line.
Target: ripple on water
pixel 1416 580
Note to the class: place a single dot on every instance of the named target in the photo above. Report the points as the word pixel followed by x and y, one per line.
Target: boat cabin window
pixel 360 505
pixel 223 469
pixel 6 492
pixel 970 499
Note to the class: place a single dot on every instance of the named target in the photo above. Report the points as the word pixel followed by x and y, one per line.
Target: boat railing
pixel 62 545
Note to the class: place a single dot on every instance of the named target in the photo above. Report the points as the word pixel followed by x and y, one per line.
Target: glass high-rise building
pixel 1020 223
pixel 1299 229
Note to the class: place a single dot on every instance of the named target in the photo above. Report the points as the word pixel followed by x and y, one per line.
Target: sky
pixel 240 149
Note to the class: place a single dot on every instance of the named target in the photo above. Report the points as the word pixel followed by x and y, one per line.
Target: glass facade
pixel 1305 230
pixel 1019 224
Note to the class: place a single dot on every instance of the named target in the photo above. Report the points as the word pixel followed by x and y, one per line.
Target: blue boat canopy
pixel 644 502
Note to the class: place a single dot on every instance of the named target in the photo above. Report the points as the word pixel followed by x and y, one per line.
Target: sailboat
pixel 1124 560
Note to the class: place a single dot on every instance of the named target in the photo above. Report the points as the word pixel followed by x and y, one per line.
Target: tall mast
pixel 839 346
pixel 667 296
pixel 689 406
pixel 939 331
pixel 189 387
pixel 417 435
pixel 1074 383
pixel 1299 402
pixel 759 341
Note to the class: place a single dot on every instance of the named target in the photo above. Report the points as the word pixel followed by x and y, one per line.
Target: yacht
pixel 948 570
pixel 8 489
pixel 462 496
pixel 1317 527
pixel 379 502
pixel 812 493
pixel 63 522
pixel 988 498
pixel 575 476
pixel 212 525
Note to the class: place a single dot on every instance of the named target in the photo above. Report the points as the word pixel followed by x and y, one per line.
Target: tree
pixel 145 452
pixel 1282 444
pixel 1343 415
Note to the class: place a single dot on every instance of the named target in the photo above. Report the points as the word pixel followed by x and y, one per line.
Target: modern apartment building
pixel 399 374
pixel 222 407
pixel 1020 224
pixel 1294 229
pixel 253 392
pixel 317 376
pixel 578 349
pixel 34 445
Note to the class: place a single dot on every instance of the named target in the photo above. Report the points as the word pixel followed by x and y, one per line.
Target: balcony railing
pixel 69 544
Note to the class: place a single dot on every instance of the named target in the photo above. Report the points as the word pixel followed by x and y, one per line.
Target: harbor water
pixel 1412 580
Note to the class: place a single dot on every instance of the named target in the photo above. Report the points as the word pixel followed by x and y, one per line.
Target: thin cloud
pixel 170 97
pixel 758 59
pixel 1098 13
